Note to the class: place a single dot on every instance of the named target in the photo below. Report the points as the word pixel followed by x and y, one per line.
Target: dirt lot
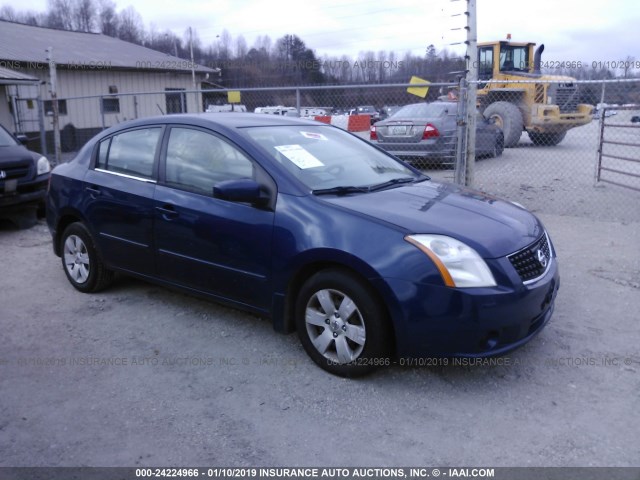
pixel 140 375
pixel 562 179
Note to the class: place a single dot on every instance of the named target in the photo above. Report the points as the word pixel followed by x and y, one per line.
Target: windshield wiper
pixel 392 182
pixel 343 190
pixel 340 190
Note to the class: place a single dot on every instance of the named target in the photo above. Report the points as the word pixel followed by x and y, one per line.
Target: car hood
pixel 493 227
pixel 14 154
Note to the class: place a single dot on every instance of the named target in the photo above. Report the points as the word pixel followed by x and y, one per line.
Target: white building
pixel 101 81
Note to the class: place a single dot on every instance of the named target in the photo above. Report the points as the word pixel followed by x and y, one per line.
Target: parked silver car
pixel 428 131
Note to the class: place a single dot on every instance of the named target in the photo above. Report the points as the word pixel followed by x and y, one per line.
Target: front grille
pixel 532 262
pixel 15 171
pixel 565 95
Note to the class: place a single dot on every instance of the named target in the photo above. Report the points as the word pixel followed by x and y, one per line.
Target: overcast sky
pixel 572 30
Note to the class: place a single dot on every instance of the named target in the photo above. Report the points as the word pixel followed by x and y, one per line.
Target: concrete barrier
pixel 352 123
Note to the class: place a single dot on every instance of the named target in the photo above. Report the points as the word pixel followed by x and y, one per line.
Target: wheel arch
pixel 66 218
pixel 517 96
pixel 356 268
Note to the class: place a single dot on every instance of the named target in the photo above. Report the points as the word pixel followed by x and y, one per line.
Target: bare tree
pixel 60 14
pixel 108 22
pixel 8 13
pixel 628 67
pixel 241 47
pixel 130 28
pixel 29 17
pixel 84 15
pixel 263 42
pixel 383 67
pixel 224 45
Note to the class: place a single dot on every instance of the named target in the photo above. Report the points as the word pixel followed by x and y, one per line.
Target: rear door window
pixel 132 152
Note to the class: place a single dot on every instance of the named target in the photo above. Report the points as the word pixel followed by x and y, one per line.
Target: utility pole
pixel 193 72
pixel 54 105
pixel 472 87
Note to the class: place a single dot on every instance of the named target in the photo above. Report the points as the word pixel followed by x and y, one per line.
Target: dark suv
pixel 23 176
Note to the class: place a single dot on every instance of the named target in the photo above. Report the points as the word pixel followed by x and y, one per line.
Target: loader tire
pixel 508 117
pixel 547 139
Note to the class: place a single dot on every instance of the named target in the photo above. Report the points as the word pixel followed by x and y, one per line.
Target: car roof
pixel 223 120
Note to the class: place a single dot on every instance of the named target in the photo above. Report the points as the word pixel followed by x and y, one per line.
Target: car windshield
pixel 425 110
pixel 325 158
pixel 6 140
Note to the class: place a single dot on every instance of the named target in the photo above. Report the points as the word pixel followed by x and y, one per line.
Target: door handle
pixel 168 211
pixel 93 191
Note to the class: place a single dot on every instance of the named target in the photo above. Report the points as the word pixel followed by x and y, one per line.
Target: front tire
pixel 81 262
pixel 342 325
pixel 509 118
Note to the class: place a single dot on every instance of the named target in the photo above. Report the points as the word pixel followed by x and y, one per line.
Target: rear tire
pixel 509 118
pixel 341 324
pixel 81 262
pixel 547 139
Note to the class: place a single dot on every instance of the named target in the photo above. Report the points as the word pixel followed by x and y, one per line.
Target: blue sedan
pixel 310 226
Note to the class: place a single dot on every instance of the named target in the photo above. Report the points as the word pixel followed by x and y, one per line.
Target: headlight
pixel 459 264
pixel 43 166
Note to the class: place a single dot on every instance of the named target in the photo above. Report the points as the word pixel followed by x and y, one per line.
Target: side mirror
pixel 240 190
pixel 22 138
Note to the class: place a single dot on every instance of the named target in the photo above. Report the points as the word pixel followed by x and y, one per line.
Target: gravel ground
pixel 140 375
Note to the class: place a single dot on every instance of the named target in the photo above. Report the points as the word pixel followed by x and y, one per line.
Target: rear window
pixel 426 110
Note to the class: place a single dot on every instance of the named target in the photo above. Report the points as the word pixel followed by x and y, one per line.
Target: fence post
pixel 54 107
pixel 461 135
pixel 596 173
pixel 104 126
pixel 298 100
pixel 41 125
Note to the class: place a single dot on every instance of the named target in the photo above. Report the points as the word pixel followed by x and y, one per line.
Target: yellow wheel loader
pixel 545 107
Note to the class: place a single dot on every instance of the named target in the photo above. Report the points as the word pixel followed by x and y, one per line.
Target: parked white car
pixel 228 107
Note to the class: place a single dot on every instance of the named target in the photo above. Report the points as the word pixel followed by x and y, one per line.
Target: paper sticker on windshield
pixel 299 156
pixel 313 135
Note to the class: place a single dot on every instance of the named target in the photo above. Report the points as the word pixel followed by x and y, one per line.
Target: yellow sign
pixel 418 91
pixel 233 97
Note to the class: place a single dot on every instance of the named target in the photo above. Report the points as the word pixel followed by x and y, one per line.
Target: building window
pixel 110 105
pixel 176 100
pixel 48 107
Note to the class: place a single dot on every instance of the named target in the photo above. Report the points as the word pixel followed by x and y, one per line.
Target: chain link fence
pixel 574 131
pixel 569 148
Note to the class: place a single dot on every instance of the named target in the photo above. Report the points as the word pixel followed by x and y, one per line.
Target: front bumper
pixel 24 193
pixel 549 119
pixel 437 321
